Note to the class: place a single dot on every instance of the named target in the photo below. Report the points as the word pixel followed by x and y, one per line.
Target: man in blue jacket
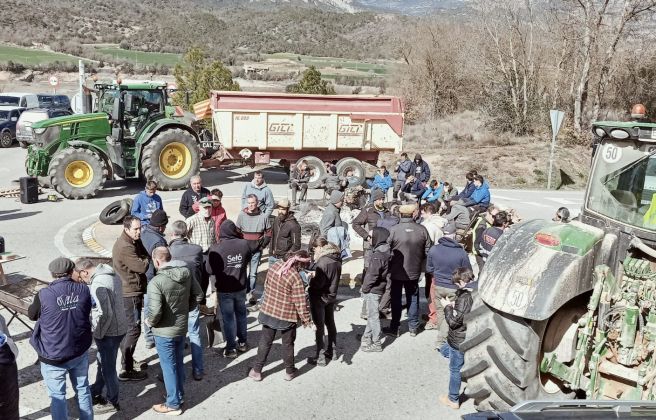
pixel 443 259
pixel 146 202
pixel 62 337
pixel 480 197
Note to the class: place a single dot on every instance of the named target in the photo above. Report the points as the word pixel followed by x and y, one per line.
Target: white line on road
pixel 59 237
pixel 501 197
pixel 564 201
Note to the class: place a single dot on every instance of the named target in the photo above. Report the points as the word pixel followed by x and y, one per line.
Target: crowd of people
pixel 428 230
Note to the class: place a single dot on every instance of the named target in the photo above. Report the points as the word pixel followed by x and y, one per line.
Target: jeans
pixel 171 354
pixel 9 391
pixel 323 316
pixel 456 360
pixel 372 331
pixel 55 379
pixel 106 375
pixel 436 312
pixel 252 271
pixel 133 306
pixel 234 313
pixel 193 327
pixel 264 347
pixel 412 298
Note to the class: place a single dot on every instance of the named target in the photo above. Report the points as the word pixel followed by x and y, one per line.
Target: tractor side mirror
pixel 127 101
pixel 116 110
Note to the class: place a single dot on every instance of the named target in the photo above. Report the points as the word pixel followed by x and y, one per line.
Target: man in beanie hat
pixel 152 236
pixel 331 216
pixel 62 337
pixel 364 223
pixel 410 243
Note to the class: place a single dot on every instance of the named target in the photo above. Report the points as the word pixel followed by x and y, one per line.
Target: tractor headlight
pixel 600 132
pixel 619 134
pixel 44 136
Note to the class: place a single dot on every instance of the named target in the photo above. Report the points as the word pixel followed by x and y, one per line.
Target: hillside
pixel 227 28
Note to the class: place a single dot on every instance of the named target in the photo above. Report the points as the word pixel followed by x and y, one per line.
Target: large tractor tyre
pixel 502 356
pixel 318 170
pixel 114 213
pixel 6 140
pixel 77 173
pixel 171 158
pixel 343 165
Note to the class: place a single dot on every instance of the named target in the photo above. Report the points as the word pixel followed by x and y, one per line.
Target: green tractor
pixel 568 310
pixel 133 133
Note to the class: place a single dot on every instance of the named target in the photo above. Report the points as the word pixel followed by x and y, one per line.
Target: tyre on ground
pixel 502 359
pixel 114 213
pixel 350 163
pixel 6 139
pixel 171 158
pixel 318 170
pixel 77 173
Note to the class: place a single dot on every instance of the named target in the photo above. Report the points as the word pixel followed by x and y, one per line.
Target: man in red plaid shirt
pixel 284 307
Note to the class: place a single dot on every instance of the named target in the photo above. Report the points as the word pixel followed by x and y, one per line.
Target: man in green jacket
pixel 171 293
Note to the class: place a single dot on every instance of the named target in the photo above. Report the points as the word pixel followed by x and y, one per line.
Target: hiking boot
pixel 372 348
pixel 290 376
pixel 105 408
pixel 251 299
pixel 150 345
pixel 413 333
pixel 253 308
pixel 321 360
pixel 430 326
pixel 198 376
pixel 164 409
pixel 256 376
pixel 132 375
pixel 444 400
pixel 98 400
pixel 230 354
pixel 392 332
pixel 242 347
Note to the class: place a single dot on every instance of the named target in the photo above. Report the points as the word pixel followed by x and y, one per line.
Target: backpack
pixel 387 222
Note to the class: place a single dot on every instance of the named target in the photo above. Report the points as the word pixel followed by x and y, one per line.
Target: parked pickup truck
pixel 350 129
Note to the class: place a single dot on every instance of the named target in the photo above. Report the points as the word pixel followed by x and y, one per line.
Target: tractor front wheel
pixel 171 158
pixel 77 173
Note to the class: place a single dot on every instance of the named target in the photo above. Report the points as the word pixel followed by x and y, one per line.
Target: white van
pixel 20 99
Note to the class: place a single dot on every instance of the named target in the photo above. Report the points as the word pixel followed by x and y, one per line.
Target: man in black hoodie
pixel 420 173
pixel 227 261
pixel 323 295
pixel 410 243
pixel 374 284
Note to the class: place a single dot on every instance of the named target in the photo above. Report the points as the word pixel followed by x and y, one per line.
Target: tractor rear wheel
pixel 502 357
pixel 77 173
pixel 171 158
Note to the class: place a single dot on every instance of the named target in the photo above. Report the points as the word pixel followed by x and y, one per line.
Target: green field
pixel 140 57
pixel 324 62
pixel 32 57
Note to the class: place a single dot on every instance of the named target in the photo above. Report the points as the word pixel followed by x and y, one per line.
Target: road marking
pixel 532 203
pixel 501 197
pixel 59 237
pixel 89 239
pixel 564 201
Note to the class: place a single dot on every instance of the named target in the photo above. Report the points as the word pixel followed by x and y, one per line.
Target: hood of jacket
pixel 436 220
pixel 175 270
pixel 484 186
pixel 330 249
pixel 379 236
pixel 418 157
pixel 448 242
pixel 228 230
pixel 258 187
pixel 103 269
pixel 384 248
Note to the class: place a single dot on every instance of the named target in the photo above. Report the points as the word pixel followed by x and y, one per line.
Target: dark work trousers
pixel 323 315
pixel 396 191
pixel 9 391
pixel 295 187
pixel 411 289
pixel 385 305
pixel 133 306
pixel 264 347
pixel 368 252
pixel 204 278
pixel 480 262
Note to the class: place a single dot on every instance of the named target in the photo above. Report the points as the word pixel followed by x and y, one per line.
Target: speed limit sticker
pixel 611 153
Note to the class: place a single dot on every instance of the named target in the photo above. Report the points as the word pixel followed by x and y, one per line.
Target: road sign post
pixel 54 82
pixel 556 122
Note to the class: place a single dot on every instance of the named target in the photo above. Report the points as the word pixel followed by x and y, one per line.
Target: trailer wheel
pixel 502 358
pixel 318 170
pixel 349 163
pixel 77 173
pixel 171 158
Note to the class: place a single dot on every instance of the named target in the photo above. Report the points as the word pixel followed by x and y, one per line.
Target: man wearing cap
pixel 130 261
pixel 62 337
pixel 200 231
pixel 410 243
pixel 152 236
pixel 444 258
pixel 217 212
pixel 331 216
pixel 286 233
pixel 255 227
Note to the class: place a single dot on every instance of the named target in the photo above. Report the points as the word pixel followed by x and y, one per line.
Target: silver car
pixel 29 117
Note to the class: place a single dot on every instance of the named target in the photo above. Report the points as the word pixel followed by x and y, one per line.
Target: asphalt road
pixel 403 381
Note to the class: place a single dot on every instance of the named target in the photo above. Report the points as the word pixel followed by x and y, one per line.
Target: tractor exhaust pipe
pixel 638 244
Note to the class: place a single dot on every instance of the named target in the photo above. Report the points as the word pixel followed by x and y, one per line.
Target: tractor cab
pixel 622 186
